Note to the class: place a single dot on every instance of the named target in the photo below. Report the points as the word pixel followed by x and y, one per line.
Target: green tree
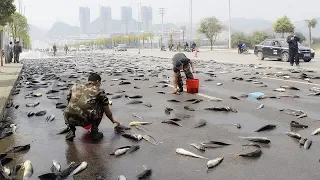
pixel 6 10
pixel 144 37
pixel 301 36
pixel 240 37
pixel 283 25
pixel 151 37
pixel 312 23
pixel 211 27
pixel 19 26
pixel 258 36
pixel 183 28
pixel 171 37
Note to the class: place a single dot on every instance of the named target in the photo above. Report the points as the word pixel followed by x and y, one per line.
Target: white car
pixel 121 47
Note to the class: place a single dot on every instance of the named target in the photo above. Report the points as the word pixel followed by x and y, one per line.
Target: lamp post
pixel 139 7
pixel 229 25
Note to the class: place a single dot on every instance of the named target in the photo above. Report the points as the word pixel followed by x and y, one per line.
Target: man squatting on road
pixel 86 105
pixel 180 61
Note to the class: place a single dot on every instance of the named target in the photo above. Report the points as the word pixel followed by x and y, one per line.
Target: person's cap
pixel 178 63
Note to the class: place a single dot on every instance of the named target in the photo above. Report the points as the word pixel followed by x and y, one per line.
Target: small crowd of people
pixel 65 48
pixel 185 47
pixel 12 52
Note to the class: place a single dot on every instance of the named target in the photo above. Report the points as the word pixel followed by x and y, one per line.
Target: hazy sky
pixel 44 13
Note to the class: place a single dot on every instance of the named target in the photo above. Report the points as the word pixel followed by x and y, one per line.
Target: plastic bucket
pixel 87 127
pixel 192 86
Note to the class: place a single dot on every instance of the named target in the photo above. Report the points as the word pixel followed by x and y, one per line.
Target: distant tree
pixel 312 23
pixel 301 36
pixel 259 36
pixel 6 10
pixel 283 25
pixel 211 27
pixel 183 28
pixel 144 37
pixel 151 37
pixel 240 37
pixel 19 26
pixel 171 37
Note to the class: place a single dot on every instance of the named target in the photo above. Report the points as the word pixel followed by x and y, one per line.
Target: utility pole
pixel 229 25
pixel 190 37
pixel 139 24
pixel 162 12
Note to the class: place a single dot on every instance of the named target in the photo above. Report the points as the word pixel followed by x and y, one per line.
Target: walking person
pixel 8 53
pixel 293 40
pixel 66 49
pixel 54 50
pixel 17 49
pixel 86 105
pixel 180 61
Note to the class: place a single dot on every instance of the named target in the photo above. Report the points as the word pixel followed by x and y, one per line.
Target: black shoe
pixel 291 64
pixel 180 89
pixel 96 135
pixel 71 134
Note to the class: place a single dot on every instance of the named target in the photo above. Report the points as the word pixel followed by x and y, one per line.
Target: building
pixel 105 19
pixel 84 17
pixel 146 18
pixel 126 18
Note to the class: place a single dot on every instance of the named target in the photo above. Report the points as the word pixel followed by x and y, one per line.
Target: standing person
pixel 239 47
pixel 180 61
pixel 9 53
pixel 293 49
pixel 86 105
pixel 54 50
pixel 66 49
pixel 179 47
pixel 17 49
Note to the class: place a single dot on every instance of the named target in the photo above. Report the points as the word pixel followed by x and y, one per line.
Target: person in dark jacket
pixel 17 49
pixel 293 49
pixel 180 61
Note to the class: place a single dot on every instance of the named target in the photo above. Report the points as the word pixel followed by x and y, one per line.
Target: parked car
pixel 121 47
pixel 279 49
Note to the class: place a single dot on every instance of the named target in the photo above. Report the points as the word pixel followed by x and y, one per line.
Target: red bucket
pixel 192 86
pixel 88 128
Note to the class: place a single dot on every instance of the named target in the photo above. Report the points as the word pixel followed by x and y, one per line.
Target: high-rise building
pixel 126 17
pixel 105 18
pixel 146 17
pixel 84 17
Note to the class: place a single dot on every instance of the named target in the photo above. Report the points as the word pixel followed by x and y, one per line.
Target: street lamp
pixel 229 25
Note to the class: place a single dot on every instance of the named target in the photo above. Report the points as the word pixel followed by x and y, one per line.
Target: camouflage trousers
pixel 188 73
pixel 73 120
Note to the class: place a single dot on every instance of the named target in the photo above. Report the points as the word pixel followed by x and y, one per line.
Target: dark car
pixel 279 49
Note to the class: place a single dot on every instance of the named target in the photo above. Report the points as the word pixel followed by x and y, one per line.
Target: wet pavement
pixel 282 159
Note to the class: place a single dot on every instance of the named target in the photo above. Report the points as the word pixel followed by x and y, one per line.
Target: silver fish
pixel 56 167
pixel 136 137
pixel 150 139
pixel 315 132
pixel 137 116
pixel 214 162
pixel 261 106
pixel 198 146
pixel 80 168
pixel 293 135
pixel 302 141
pixel 121 177
pixel 121 151
pixel 188 153
pixel 50 118
pixel 215 99
pixel 201 123
pixel 33 104
pixel 307 144
pixel 252 144
pixel 28 170
pixel 257 139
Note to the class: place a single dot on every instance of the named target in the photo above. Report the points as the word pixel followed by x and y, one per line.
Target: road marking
pixel 200 94
pixel 292 81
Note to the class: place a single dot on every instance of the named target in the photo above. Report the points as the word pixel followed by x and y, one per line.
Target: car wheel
pixel 260 55
pixel 285 57
pixel 307 60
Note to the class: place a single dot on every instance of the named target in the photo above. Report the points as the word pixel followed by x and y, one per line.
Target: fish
pixel 219 84
pixel 173 100
pixel 3 155
pixel 226 109
pixel 188 108
pixel 161 92
pixel 238 126
pixel 302 141
pixel 5 161
pixel 134 102
pixel 233 97
pixel 134 123
pixel 33 104
pixel 266 128
pixel 134 97
pixel 292 112
pixel 261 106
pixel 122 177
pixel 61 106
pixel 257 82
pixel 198 146
pixel 307 144
pixel 145 174
pixel 280 90
pixel 80 168
pixel 208 80
pixel 137 116
pixel 63 130
pixel 214 144
pixel 117 96
pixel 56 167
pixel 302 116
pixel 293 135
pixel 15 169
pixel 255 153
pixel 40 113
pixel 121 129
pixel 150 139
pixel 136 137
pixel 30 114
pixel 136 87
pixel 175 119
pixel 124 83
pixel 295 124
pixel 148 105
pixel 62 175
pixel 188 153
pixel 290 87
pixel 215 99
pixel 197 101
pixel 263 140
pixel 171 122
pixel 201 123
pixel 28 170
pixel 164 86
pixel 52 91
pixel 50 118
pixel 315 132
pixel 121 151
pixel 191 100
pixel 19 149
pixel 252 144
pixel 133 148
pixel 37 95
pixel 53 97
pixel 214 162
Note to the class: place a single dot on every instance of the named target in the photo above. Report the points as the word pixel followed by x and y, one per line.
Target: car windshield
pixel 285 44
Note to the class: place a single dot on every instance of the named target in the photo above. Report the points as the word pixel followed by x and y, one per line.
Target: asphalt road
pixel 282 159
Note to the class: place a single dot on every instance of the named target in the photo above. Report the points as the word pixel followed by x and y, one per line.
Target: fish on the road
pixel 121 177
pixel 136 137
pixel 214 162
pixel 175 119
pixel 296 124
pixel 214 144
pixel 145 174
pixel 238 126
pixel 252 144
pixel 315 132
pixel 134 102
pixel 261 106
pixel 150 139
pixel 188 108
pixel 307 144
pixel 201 123
pixel 171 122
pixel 263 140
pixel 80 168
pixel 280 90
pixel 30 114
pixel 215 99
pixel 197 101
pixel 290 87
pixel 168 110
pixel 53 97
pixel 120 151
pixel 266 128
pixel 136 116
pixel 147 104
pixel 198 146
pixel 117 96
pixel 52 91
pixel 233 97
pixel 188 153
pixel 50 118
pixel 33 104
pixel 173 100
pixel 40 113
pixel 134 123
pixel 28 170
pixel 302 141
pixel 56 167
pixel 226 109
pixel 134 97
pixel 19 149
pixel 293 135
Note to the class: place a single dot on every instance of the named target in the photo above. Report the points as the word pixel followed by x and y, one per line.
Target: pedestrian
pixel 10 52
pixel 293 49
pixel 179 47
pixel 54 50
pixel 17 49
pixel 66 49
pixel 86 105
pixel 239 47
pixel 180 61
